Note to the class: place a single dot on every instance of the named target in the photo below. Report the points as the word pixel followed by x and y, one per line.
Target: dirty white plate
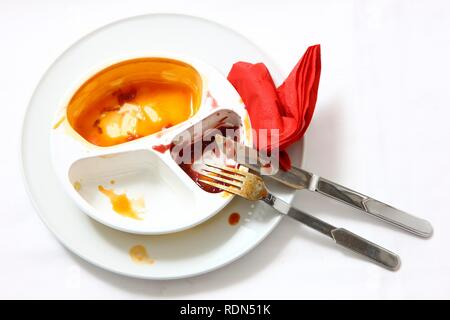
pixel 203 248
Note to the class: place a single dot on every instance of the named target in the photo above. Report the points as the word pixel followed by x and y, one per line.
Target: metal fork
pixel 252 187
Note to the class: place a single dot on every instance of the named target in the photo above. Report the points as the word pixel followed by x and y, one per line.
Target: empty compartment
pixel 136 187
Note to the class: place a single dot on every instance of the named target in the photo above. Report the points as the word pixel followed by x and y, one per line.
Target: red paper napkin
pixel 288 108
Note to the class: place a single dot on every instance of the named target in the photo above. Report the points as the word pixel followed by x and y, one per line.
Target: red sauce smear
pixel 214 103
pixel 187 167
pixel 162 147
pixel 234 218
pixel 267 165
pixel 125 96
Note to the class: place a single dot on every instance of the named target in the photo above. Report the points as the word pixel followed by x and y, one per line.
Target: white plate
pixel 183 254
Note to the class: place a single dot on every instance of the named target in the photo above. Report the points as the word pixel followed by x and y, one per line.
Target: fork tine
pixel 225 168
pixel 220 186
pixel 217 171
pixel 227 181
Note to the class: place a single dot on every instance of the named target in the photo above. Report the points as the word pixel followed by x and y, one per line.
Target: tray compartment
pixel 133 99
pixel 159 198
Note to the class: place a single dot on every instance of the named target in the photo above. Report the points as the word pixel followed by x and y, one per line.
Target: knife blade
pixel 301 179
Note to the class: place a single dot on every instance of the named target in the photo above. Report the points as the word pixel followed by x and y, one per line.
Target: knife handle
pixel 349 240
pixel 369 249
pixel 301 179
pixel 375 208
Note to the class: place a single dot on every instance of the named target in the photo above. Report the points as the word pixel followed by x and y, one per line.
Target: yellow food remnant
pixel 112 181
pixel 59 122
pixel 247 127
pixel 226 194
pixel 139 254
pixel 77 185
pixel 122 204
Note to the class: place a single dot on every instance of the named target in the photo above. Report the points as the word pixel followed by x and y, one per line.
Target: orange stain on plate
pixel 139 254
pixel 57 124
pixel 247 127
pixel 234 218
pixel 77 185
pixel 225 194
pixel 122 204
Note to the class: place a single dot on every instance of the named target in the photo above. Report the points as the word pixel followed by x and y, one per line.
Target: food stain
pixel 133 99
pixel 162 147
pixel 122 204
pixel 247 127
pixel 234 218
pixel 214 103
pixel 57 124
pixel 226 194
pixel 188 163
pixel 112 181
pixel 139 254
pixel 77 185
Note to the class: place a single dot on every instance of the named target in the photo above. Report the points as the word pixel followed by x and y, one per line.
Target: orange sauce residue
pixel 234 218
pixel 134 98
pixel 139 254
pixel 122 204
pixel 248 127
pixel 57 124
pixel 226 194
pixel 77 185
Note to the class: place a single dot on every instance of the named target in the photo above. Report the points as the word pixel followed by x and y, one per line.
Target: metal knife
pixel 301 179
pixel 341 236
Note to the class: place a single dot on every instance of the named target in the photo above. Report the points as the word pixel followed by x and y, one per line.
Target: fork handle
pixel 349 240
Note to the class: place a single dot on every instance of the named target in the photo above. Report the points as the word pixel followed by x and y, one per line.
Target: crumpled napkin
pixel 289 107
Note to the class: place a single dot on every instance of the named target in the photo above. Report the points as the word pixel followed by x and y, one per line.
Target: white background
pixel 382 127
